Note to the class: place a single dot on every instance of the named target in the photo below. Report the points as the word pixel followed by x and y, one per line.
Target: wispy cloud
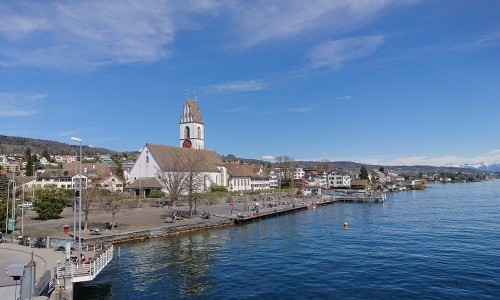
pixel 489 157
pixel 85 35
pixel 345 97
pixel 471 43
pixel 20 104
pixel 299 109
pixel 268 157
pixel 492 157
pixel 260 21
pixel 236 86
pixel 332 54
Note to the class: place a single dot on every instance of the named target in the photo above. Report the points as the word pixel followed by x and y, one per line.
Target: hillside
pixel 17 145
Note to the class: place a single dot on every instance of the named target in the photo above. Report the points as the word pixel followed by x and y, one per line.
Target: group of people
pixel 83 259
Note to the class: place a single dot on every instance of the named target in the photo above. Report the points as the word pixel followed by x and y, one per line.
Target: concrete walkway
pixel 12 253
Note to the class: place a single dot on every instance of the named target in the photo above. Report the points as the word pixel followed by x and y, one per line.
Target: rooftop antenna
pixel 187 94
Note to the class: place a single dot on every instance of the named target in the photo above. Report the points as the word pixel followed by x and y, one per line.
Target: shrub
pixel 156 194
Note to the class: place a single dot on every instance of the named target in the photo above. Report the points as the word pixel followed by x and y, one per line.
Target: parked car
pixel 25 205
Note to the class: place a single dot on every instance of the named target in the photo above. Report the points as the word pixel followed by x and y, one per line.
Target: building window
pixel 199 132
pixel 187 134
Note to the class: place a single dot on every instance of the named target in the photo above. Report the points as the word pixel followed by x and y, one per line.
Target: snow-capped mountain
pixel 483 166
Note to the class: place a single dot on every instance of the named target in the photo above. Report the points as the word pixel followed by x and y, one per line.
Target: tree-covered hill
pixel 10 145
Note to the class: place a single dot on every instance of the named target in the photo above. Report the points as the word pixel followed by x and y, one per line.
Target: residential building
pixel 243 177
pixel 298 173
pixel 337 179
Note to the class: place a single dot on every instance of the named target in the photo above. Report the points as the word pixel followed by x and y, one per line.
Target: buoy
pixel 345 224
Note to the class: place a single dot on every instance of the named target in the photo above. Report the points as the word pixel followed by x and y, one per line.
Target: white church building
pixel 155 159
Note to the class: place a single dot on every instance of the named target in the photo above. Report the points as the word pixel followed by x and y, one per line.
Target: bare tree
pixel 173 182
pixel 113 202
pixel 286 164
pixel 90 202
pixel 184 178
pixel 194 182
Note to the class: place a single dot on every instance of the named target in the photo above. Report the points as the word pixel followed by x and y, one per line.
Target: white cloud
pixel 454 160
pixel 332 54
pixel 262 21
pixel 236 86
pixel 85 34
pixel 491 157
pixel 20 104
pixel 345 98
pixel 299 109
pixel 268 157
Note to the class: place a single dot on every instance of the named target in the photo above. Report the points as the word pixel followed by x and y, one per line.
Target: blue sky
pixel 384 82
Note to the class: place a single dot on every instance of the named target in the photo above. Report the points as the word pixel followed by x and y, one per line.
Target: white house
pixel 243 177
pixel 298 173
pixel 336 179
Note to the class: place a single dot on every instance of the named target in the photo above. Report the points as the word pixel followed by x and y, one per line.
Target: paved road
pixel 11 253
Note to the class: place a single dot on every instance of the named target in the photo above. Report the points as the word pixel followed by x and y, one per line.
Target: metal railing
pixel 85 271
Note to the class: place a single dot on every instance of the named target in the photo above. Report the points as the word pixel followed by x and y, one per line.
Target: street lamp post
pixel 79 140
pixel 75 200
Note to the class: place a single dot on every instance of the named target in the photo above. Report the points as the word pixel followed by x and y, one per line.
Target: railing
pixel 85 271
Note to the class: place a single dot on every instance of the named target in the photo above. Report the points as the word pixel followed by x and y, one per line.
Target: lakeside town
pixel 187 174
pixel 163 190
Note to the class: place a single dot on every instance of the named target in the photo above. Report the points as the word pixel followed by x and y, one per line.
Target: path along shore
pixel 149 219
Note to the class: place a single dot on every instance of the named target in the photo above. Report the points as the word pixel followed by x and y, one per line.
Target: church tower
pixel 191 126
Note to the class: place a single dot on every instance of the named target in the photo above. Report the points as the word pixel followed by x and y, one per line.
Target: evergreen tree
pixel 363 173
pixel 4 183
pixel 29 162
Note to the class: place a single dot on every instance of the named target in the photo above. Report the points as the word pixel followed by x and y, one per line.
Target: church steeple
pixel 191 125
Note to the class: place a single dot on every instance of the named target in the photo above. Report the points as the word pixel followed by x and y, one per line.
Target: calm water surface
pixel 441 243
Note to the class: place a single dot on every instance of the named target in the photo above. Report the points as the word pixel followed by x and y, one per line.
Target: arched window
pixel 187 134
pixel 199 132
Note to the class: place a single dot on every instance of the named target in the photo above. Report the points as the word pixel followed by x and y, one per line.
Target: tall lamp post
pixel 79 196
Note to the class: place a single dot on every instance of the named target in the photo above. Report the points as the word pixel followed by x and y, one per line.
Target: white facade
pixel 273 180
pixel 337 180
pixel 298 173
pixel 240 184
pixel 146 166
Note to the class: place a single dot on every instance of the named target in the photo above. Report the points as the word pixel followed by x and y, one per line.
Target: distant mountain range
pixel 17 145
pixel 484 166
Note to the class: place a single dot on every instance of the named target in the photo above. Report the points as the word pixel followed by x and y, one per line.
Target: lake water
pixel 443 242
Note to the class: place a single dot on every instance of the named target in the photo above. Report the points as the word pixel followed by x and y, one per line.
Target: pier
pixel 307 203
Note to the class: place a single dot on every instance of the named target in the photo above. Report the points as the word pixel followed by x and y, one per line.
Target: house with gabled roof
pixel 338 179
pixel 245 177
pixel 92 174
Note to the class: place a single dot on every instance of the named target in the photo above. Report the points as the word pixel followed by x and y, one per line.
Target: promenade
pixel 149 219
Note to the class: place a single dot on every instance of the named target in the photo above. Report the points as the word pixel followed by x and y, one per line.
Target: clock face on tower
pixel 186 144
